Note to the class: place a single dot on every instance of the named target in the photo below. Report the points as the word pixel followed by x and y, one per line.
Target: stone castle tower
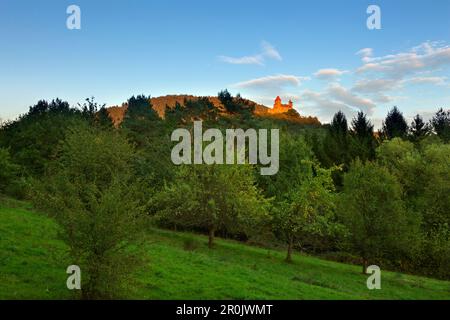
pixel 278 107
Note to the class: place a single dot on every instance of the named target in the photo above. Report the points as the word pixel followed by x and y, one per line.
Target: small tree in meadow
pixel 90 193
pixel 307 211
pixel 213 197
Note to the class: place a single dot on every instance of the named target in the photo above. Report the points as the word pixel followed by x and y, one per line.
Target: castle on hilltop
pixel 278 107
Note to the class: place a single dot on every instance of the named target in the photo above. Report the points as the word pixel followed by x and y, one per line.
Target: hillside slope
pixel 33 264
pixel 159 105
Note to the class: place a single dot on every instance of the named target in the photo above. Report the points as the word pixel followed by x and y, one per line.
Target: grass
pixel 33 264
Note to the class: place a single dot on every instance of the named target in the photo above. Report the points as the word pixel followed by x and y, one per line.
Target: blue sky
pixel 319 53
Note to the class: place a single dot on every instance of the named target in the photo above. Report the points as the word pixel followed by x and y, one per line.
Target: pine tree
pixel 364 142
pixel 339 124
pixel 395 124
pixel 336 142
pixel 418 128
pixel 441 124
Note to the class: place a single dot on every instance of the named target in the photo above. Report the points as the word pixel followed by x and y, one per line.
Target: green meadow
pixel 180 266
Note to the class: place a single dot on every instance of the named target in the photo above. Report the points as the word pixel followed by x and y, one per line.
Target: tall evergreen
pixel 339 124
pixel 336 143
pixel 395 124
pixel 364 142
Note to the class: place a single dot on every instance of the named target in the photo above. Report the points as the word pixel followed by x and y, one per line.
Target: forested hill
pixel 159 104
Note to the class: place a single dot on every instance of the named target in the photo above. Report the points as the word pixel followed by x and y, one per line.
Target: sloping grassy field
pixel 33 263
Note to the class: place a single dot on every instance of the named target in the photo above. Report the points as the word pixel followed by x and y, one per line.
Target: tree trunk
pixel 365 263
pixel 289 250
pixel 211 238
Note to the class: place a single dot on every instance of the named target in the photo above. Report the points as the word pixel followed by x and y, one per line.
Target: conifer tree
pixel 395 124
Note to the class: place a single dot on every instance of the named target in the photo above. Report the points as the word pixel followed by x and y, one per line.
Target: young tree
pixel 418 128
pixel 372 209
pixel 91 194
pixel 441 124
pixel 307 211
pixel 212 197
pixel 395 124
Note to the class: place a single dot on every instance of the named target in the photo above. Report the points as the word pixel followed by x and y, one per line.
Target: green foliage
pixel 292 167
pixel 140 119
pixel 434 203
pixel 192 109
pixel 372 209
pixel 9 171
pixel 34 137
pixel 424 175
pixel 91 195
pixel 213 197
pixel 151 137
pixel 308 210
pixel 401 158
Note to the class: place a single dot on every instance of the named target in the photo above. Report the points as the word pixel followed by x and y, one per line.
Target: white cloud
pixel 425 57
pixel 243 60
pixel 335 98
pixel 267 51
pixel 431 80
pixel 275 81
pixel 382 98
pixel 270 52
pixel 329 74
pixel 345 96
pixel 320 104
pixel 365 53
pixel 375 85
pixel 379 82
